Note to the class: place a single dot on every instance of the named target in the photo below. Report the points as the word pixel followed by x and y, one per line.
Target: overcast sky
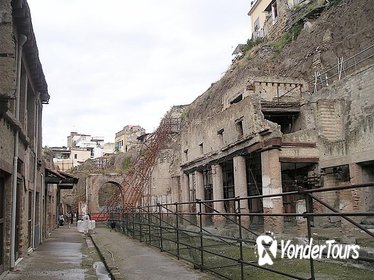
pixel 118 62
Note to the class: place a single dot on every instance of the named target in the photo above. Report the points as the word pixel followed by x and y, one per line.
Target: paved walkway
pixel 68 254
pixel 59 257
pixel 132 260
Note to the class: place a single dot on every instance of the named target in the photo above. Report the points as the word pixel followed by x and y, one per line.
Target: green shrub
pixel 126 164
pixel 250 44
pixel 287 37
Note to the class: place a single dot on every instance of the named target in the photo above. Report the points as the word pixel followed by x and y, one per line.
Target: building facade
pixel 23 92
pixel 269 17
pixel 28 198
pixel 80 147
pixel 263 141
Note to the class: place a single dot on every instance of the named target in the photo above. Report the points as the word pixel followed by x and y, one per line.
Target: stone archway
pixel 106 193
pixel 94 183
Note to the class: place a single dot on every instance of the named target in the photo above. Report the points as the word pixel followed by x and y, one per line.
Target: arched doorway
pixel 110 199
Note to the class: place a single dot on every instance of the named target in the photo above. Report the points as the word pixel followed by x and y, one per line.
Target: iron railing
pixel 229 252
pixel 341 69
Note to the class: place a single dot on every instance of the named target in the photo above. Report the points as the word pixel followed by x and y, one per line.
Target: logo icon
pixel 266 248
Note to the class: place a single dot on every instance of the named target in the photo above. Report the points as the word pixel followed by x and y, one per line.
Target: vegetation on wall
pixel 251 43
pixel 288 37
pixel 126 164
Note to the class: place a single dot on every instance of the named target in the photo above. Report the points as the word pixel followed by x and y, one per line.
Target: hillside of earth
pixel 317 35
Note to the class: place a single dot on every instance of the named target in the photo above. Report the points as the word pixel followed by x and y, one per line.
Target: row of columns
pixel 271 184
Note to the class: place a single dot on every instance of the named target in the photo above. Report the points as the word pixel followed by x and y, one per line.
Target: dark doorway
pixel 368 177
pixel 18 219
pixel 294 174
pixel 254 182
pixel 110 200
pixel 228 186
pixel 208 193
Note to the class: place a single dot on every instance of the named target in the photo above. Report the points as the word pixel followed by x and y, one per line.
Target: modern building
pixel 93 144
pixel 265 15
pixel 80 147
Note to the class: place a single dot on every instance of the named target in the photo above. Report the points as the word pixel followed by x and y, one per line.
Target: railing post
pixel 201 235
pixel 177 227
pixel 309 209
pixel 239 218
pixel 149 227
pixel 160 217
pixel 133 223
pixel 127 223
pixel 140 224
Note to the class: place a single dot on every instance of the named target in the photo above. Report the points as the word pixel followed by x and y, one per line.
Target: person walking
pixel 112 225
pixel 68 218
pixel 61 219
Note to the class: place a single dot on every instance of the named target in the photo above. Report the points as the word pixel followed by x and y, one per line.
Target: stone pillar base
pixel 274 224
pixel 246 221
pixel 219 221
pixel 346 205
pixel 301 223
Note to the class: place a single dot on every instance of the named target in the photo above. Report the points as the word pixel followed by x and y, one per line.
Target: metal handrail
pixel 160 232
pixel 324 78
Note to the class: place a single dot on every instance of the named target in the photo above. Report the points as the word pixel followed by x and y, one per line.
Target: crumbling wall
pixel 345 129
pixel 161 180
pixel 340 31
pixel 350 136
pixel 202 136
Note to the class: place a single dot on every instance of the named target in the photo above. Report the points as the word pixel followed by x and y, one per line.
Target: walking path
pixel 59 257
pixel 68 254
pixel 132 260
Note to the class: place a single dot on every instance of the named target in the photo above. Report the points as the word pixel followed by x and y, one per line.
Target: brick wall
pixel 7 50
pixel 330 119
pixel 345 119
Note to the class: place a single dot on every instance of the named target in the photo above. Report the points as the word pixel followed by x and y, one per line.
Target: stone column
pixel 346 205
pixel 218 194
pixel 241 189
pixel 301 223
pixel 185 192
pixel 359 196
pixel 272 184
pixel 200 195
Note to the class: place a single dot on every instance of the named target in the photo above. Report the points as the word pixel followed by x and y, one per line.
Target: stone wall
pixel 350 103
pixel 205 137
pixel 7 51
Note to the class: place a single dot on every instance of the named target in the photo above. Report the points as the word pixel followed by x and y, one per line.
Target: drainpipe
pixel 21 41
pixel 41 207
pixel 36 148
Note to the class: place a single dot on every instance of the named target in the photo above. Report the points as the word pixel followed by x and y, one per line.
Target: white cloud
pixel 118 62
